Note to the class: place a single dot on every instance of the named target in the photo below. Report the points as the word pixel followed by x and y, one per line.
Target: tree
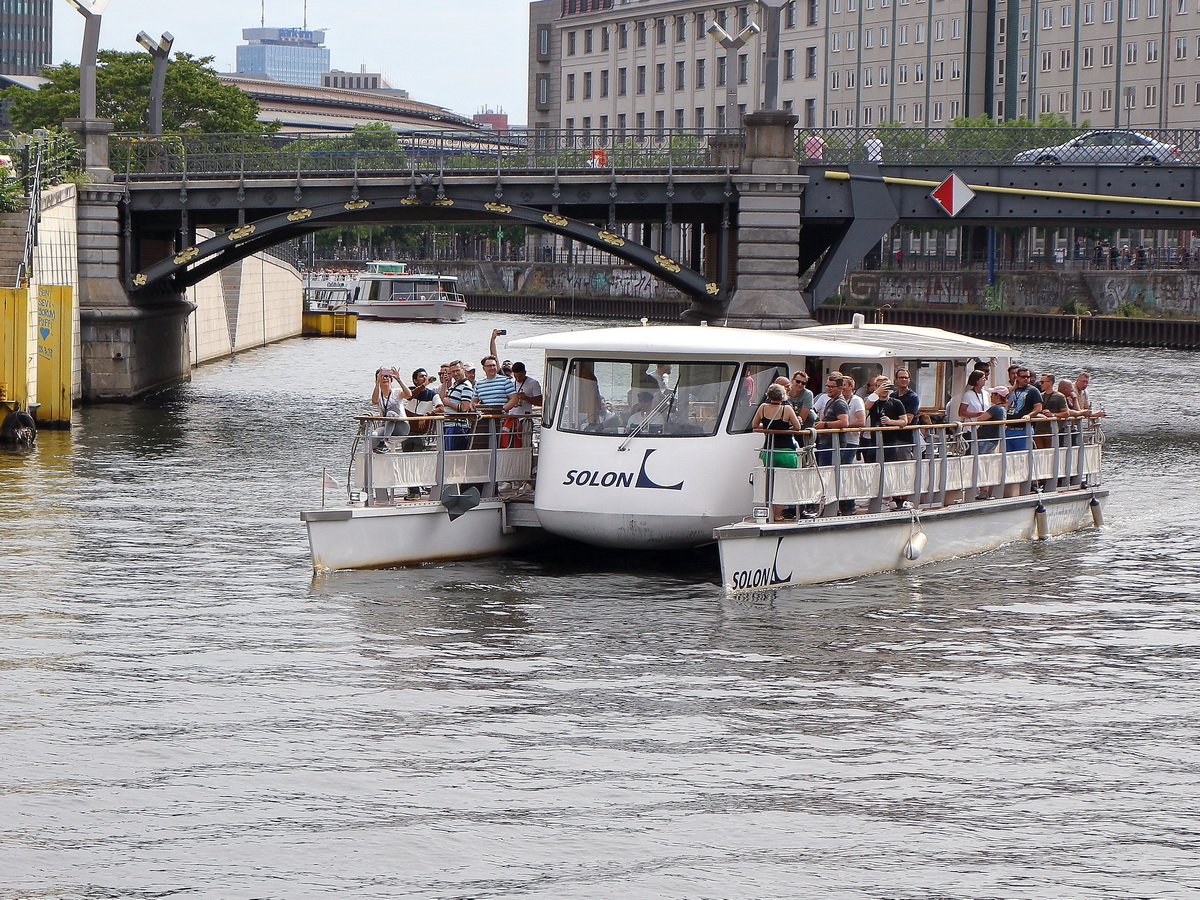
pixel 194 99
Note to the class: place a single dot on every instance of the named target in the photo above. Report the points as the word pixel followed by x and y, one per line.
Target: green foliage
pixel 12 193
pixel 1071 307
pixel 194 99
pixel 1131 310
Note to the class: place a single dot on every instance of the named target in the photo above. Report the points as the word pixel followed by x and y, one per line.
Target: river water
pixel 186 712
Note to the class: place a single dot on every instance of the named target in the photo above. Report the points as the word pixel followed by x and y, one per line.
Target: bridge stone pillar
pixel 770 187
pixel 131 345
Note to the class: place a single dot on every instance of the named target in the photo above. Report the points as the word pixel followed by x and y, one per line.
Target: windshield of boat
pixel 752 392
pixel 675 398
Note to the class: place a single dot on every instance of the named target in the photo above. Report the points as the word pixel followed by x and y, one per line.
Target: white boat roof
pixel 651 341
pixel 911 342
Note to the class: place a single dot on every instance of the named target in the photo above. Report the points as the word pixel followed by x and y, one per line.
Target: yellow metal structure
pixel 55 348
pixel 14 347
pixel 330 323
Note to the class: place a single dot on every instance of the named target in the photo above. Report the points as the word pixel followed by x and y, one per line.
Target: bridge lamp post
pixel 732 45
pixel 160 51
pixel 94 132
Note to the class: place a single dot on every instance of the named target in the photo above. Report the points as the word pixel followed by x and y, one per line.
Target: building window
pixel 1044 103
pixel 1106 99
pixel 1151 96
pixel 743 17
pixel 701 72
pixel 622 121
pixel 679 118
pixel 604 82
pixel 789 15
pixel 955 29
pixel 701 25
pixel 955 109
pixel 1087 59
pixel 1151 51
pixel 868 39
pixel 660 77
pixel 810 113
pixel 813 14
pixel 939 71
pixel 660 120
pixel 850 78
pixel 919 73
pixel 641 123
pixel 902 35
pixel 641 79
pixel 789 65
pixel 543 39
pixel 835 42
pixel 920 33
pixel 543 90
pixel 835 80
pixel 936 109
pixel 680 75
pixel 570 123
pixel 622 37
pixel 1047 18
pixel 1109 14
pixel 884 75
pixel 866 77
pixel 1089 13
pixel 1064 103
pixel 885 35
pixel 955 69
pixel 1131 11
pixel 1064 59
pixel 587 85
pixel 604 40
pixel 700 117
pixel 743 68
pixel 810 62
pixel 587 41
pixel 642 28
pixel 604 123
pixel 722 71
pixel 902 74
pixel 587 124
pixel 622 81
pixel 1181 48
pixel 660 31
pixel 850 39
pixel 939 30
pixel 1065 19
pixel 571 87
pixel 1131 53
pixel 570 43
pixel 1106 55
pixel 833 118
pixel 1180 95
pixel 680 29
pixel 1085 101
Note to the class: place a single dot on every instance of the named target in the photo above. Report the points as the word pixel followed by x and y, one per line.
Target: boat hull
pixel 411 310
pixel 762 556
pixel 356 537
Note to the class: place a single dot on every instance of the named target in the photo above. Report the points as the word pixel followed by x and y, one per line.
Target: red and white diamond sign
pixel 952 195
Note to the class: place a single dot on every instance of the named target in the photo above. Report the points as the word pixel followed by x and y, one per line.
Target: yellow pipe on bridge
pixel 1023 192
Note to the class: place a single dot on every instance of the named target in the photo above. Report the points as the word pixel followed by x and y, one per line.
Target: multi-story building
pixel 25 33
pixel 597 64
pixel 294 55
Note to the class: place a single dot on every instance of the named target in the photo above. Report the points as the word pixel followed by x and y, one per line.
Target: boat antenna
pixel 305 24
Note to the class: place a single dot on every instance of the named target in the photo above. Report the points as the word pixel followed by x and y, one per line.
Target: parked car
pixel 1104 148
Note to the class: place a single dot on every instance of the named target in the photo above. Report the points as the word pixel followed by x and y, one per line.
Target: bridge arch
pixel 194 263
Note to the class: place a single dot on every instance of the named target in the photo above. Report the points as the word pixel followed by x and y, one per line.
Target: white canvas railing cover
pixel 399 470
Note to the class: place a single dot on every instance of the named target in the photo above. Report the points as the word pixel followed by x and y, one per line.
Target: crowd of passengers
pixel 460 395
pixel 889 412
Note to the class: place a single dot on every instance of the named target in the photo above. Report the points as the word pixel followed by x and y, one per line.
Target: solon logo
pixel 596 478
pixel 767 576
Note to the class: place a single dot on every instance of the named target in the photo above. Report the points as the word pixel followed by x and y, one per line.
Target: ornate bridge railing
pixel 999 145
pixel 137 157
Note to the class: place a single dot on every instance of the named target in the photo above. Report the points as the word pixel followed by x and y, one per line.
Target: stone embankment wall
pixel 254 302
pixel 1156 292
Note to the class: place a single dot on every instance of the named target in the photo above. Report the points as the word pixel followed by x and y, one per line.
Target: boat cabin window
pixel 555 367
pixel 614 397
pixel 861 372
pixel 752 391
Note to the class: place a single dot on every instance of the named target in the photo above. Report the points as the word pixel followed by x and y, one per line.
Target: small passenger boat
pixel 387 290
pixel 645 443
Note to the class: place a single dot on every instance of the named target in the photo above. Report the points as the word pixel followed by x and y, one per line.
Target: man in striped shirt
pixel 493 390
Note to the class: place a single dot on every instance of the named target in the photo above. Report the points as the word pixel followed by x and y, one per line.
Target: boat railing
pixel 928 466
pixel 487 451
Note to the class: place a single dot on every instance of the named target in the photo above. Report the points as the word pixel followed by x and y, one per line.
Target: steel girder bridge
pixel 616 192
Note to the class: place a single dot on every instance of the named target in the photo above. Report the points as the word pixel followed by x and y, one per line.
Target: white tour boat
pixel 645 443
pixel 387 290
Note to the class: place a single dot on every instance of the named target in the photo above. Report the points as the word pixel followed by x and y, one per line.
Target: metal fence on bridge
pixel 999 145
pixel 138 157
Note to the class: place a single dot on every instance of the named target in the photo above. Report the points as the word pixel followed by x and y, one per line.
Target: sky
pixel 464 55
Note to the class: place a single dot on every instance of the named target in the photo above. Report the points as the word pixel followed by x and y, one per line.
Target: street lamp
pixel 160 51
pixel 93 132
pixel 732 45
pixel 773 14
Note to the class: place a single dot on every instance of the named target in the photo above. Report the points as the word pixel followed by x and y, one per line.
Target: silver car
pixel 1104 148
